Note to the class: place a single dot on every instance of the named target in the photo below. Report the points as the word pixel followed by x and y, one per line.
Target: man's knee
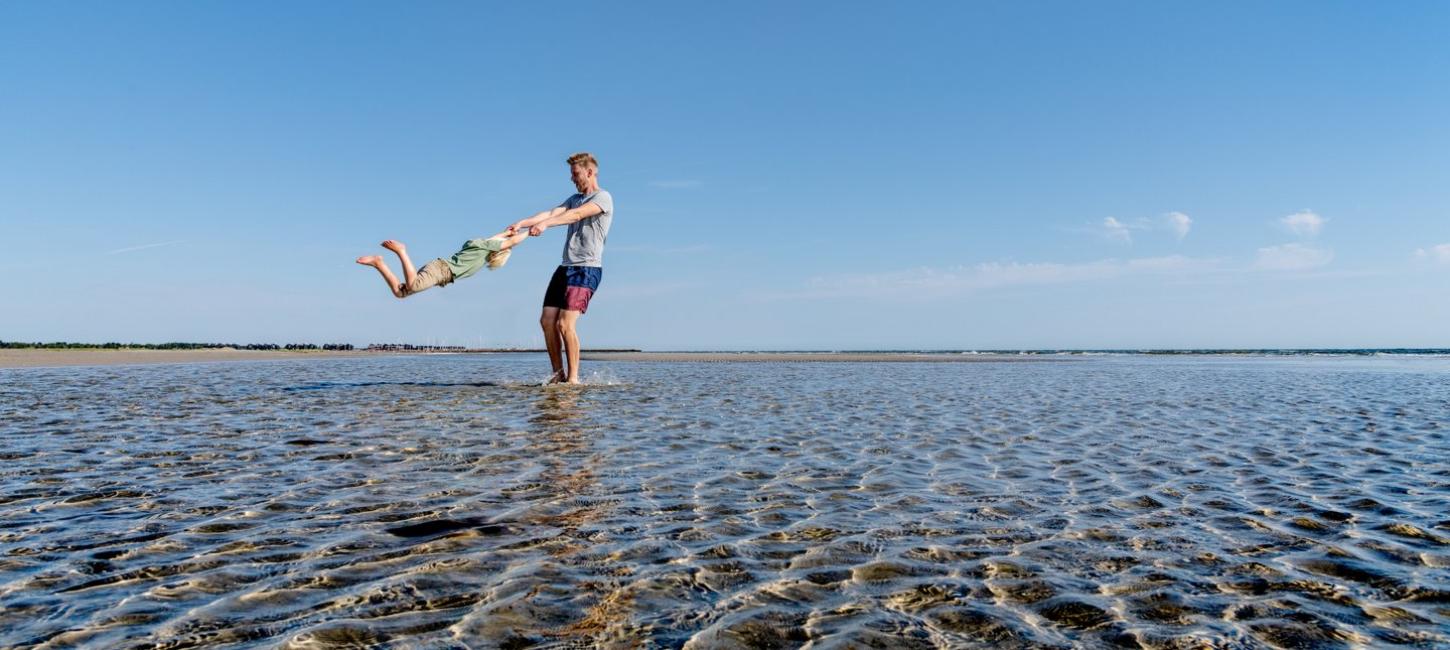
pixel 566 323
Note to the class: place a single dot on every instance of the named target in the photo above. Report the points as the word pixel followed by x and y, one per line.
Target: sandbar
pixel 45 358
pixel 812 357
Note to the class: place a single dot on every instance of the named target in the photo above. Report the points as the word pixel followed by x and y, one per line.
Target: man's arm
pixel 585 211
pixel 530 221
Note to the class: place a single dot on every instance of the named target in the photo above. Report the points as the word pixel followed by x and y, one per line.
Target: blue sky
pixel 786 175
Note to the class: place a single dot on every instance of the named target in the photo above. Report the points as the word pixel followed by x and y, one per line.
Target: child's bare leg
pixel 388 277
pixel 402 251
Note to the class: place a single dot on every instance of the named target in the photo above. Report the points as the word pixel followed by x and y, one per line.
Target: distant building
pixel 406 347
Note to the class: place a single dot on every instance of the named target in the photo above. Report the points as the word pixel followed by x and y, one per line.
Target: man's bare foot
pixel 572 380
pixel 370 260
pixel 558 377
pixel 395 246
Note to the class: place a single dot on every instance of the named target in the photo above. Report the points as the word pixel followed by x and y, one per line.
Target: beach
pixel 445 500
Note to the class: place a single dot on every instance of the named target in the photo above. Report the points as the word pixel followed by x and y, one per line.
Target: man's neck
pixel 590 188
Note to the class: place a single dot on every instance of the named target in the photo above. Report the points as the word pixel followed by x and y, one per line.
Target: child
pixel 475 254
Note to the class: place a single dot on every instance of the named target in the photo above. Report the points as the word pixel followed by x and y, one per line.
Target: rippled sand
pixel 448 502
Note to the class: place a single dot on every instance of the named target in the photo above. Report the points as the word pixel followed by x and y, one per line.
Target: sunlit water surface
pixel 448 501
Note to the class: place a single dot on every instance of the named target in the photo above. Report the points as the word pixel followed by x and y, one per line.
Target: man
pixel 588 214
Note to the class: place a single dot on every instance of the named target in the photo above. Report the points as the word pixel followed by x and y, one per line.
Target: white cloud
pixel 1303 223
pixel 145 246
pixel 1117 230
pixel 677 184
pixel 1292 257
pixel 1180 223
pixel 923 282
pixel 1439 254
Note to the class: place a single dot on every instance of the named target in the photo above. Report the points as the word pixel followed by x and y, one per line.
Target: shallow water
pixel 445 501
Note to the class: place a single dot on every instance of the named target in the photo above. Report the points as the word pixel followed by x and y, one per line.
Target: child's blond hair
pixel 498 258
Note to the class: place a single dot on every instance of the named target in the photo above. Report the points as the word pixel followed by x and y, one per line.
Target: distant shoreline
pixel 98 356
pixel 49 358
pixel 814 357
pixel 45 358
pixel 54 357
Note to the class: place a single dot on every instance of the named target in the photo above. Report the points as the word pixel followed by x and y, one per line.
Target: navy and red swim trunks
pixel 572 287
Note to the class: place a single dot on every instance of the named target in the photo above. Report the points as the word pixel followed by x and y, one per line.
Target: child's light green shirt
pixel 472 257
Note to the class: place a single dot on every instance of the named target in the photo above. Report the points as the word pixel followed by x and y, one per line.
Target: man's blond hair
pixel 584 158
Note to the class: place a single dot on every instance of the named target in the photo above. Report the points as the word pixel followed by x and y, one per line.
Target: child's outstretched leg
pixel 376 262
pixel 408 271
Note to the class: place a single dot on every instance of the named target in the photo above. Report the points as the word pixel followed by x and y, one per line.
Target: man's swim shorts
pixel 572 287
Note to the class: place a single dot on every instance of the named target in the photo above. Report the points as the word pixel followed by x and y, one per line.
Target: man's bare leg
pixel 567 321
pixel 549 320
pixel 402 251
pixel 376 262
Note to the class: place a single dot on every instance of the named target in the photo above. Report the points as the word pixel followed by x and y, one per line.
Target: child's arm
pixel 512 240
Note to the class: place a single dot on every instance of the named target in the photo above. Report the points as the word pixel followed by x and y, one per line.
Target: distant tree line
pixel 65 345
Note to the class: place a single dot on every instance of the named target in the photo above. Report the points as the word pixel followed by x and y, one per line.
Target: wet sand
pixel 41 358
pixel 808 357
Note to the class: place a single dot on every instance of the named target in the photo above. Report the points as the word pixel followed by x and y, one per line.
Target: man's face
pixel 580 174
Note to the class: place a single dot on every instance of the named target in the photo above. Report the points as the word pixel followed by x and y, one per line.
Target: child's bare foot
pixel 376 261
pixel 395 246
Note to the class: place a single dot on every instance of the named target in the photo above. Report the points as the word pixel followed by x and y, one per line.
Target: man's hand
pixel 537 229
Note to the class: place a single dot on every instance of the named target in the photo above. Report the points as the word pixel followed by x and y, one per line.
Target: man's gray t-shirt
pixel 585 244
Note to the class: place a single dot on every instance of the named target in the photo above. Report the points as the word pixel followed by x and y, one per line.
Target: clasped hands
pixel 534 231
